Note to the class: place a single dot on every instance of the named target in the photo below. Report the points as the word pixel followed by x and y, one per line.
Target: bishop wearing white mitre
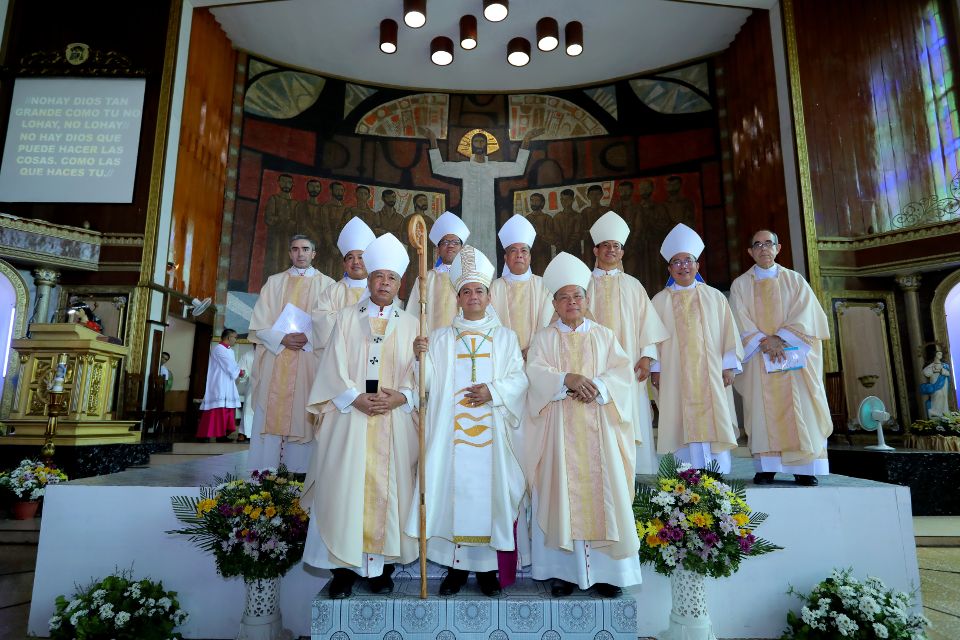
pixel 359 488
pixel 285 363
pixel 353 239
pixel 518 296
pixel 474 373
pixel 697 363
pixel 620 303
pixel 449 233
pixel 579 451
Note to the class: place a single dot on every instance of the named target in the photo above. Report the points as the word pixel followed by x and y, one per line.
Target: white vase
pixel 689 619
pixel 261 615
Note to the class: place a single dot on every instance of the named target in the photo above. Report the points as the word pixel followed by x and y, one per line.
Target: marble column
pixel 45 280
pixel 910 283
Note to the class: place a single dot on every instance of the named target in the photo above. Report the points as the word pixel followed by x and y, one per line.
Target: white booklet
pixel 293 319
pixel 795 359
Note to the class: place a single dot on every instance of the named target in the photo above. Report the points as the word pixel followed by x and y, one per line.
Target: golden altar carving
pixel 90 384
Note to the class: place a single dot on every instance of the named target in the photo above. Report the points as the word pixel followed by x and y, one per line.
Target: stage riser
pixel 861 524
pixel 525 612
pixel 89 460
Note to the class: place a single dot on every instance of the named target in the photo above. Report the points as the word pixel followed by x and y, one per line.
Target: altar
pixel 845 522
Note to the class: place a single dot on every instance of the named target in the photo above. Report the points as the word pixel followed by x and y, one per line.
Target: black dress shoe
pixel 763 477
pixel 489 584
pixel 454 581
pixel 608 590
pixel 561 588
pixel 383 583
pixel 342 584
pixel 805 481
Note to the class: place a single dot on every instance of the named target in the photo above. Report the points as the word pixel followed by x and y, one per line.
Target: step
pixel 209 448
pixel 20 531
pixel 526 611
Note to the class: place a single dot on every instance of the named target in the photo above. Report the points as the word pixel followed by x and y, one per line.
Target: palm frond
pixel 185 508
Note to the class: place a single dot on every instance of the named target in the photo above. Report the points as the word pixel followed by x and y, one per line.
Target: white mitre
pixel 517 229
pixel 355 236
pixel 471 265
pixel 610 226
pixel 565 270
pixel 681 239
pixel 386 253
pixel 449 223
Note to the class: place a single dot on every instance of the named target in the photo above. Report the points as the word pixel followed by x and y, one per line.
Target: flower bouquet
pixel 694 524
pixel 29 480
pixel 118 607
pixel 946 425
pixel 255 529
pixel 842 606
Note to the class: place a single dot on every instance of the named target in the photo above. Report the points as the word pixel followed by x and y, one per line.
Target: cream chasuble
pixel 474 481
pixel 283 377
pixel 620 303
pixel 786 415
pixel 342 294
pixel 579 458
pixel 694 405
pixel 524 306
pixel 441 299
pixel 360 483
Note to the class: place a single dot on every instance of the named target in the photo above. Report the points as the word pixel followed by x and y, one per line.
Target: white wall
pixel 178 342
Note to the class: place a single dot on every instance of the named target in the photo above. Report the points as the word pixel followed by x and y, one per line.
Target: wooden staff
pixel 417 231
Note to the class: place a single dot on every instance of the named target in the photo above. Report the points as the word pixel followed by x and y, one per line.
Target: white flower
pixel 880 630
pixel 54 623
pixel 869 607
pixel 98 596
pixel 122 618
pixel 845 625
pixel 73 605
pixel 684 466
pixel 808 616
pixel 75 618
pixel 663 499
pixel 164 603
pixel 106 611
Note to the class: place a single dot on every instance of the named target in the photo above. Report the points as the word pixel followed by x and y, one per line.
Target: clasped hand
pixel 580 387
pixel 379 403
pixel 774 347
pixel 294 341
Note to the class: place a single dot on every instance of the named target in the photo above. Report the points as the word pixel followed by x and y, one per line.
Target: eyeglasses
pixel 449 243
pixel 767 244
pixel 686 262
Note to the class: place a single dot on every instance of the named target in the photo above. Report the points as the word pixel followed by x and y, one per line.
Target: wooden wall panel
pixel 202 157
pixel 880 108
pixel 754 170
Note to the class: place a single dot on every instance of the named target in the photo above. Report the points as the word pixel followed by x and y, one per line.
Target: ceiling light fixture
pixel 468 32
pixel 388 35
pixel 518 52
pixel 415 13
pixel 548 34
pixel 495 10
pixel 573 34
pixel 441 51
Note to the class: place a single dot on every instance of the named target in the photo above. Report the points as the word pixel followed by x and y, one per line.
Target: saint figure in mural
pixel 679 208
pixel 333 215
pixel 478 196
pixel 388 219
pixel 626 209
pixel 281 224
pixel 652 224
pixel 362 209
pixel 543 223
pixel 566 226
pixel 588 216
pixel 308 211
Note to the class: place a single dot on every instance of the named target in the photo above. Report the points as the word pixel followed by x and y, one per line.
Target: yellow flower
pixel 255 513
pixel 247 509
pixel 745 532
pixel 695 498
pixel 741 519
pixel 707 481
pixel 654 541
pixel 205 505
pixel 667 485
pixel 700 519
pixel 680 488
pixel 270 511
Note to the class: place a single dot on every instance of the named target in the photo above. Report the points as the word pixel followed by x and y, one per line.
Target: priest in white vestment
pixel 620 303
pixel 245 387
pixel 518 296
pixel 474 483
pixel 785 413
pixel 221 400
pixel 353 239
pixel 286 362
pixel 449 233
pixel 696 365
pixel 579 449
pixel 359 488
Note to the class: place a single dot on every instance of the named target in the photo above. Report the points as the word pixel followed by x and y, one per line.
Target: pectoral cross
pixel 473 355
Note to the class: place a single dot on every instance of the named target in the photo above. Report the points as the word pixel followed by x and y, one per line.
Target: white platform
pixel 92 526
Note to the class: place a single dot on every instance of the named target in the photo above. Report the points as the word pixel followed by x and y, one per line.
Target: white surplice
pixel 222 372
pixel 474 482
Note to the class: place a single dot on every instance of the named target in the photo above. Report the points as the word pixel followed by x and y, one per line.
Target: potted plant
pixel 692 523
pixel 28 481
pixel 255 529
pixel 118 608
pixel 842 606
